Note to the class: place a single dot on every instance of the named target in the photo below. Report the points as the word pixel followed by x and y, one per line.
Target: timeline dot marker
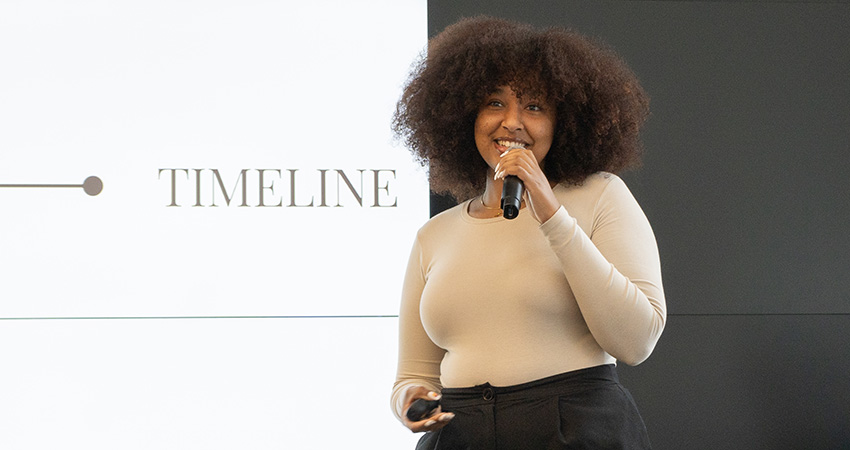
pixel 92 185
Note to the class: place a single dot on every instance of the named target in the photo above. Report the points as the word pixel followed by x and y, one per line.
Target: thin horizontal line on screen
pixel 203 317
pixel 375 316
pixel 40 185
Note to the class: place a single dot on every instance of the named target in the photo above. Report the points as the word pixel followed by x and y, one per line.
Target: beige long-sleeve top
pixel 511 301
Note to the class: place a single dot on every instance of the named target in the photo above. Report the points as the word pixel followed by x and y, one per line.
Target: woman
pixel 517 324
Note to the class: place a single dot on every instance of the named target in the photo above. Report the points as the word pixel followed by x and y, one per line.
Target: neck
pixel 492 195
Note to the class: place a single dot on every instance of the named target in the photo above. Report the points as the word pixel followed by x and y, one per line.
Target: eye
pixel 496 103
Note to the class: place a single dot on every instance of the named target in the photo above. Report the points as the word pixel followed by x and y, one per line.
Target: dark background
pixel 744 182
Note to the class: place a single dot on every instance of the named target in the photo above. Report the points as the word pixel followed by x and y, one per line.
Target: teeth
pixel 511 144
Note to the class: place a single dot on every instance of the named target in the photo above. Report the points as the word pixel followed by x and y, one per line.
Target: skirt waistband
pixel 561 384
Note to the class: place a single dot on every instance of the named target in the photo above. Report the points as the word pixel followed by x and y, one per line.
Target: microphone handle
pixel 511 196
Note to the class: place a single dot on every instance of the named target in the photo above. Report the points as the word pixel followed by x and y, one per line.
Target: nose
pixel 512 120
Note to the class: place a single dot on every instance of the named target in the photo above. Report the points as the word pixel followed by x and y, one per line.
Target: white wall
pixel 142 316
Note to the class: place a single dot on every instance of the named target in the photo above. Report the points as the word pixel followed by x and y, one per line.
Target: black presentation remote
pixel 421 408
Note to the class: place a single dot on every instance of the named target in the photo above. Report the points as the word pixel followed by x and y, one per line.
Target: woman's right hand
pixel 435 421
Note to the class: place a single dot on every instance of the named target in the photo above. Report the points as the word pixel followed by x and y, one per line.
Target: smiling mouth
pixel 508 144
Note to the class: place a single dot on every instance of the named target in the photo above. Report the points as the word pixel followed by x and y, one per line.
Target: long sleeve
pixel 418 357
pixel 614 273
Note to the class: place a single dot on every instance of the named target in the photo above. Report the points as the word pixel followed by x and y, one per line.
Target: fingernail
pixel 434 395
pixel 447 417
pixel 429 423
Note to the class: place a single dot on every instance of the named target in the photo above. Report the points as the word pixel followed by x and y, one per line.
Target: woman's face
pixel 504 120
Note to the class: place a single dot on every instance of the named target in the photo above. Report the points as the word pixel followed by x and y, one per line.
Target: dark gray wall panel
pixel 745 183
pixel 748 147
pixel 747 382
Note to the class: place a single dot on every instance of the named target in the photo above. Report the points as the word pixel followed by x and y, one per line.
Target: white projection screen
pixel 205 222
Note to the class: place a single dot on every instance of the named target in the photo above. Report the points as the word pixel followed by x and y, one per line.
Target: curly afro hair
pixel 600 103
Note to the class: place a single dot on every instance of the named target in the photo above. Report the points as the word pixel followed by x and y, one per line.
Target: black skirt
pixel 582 409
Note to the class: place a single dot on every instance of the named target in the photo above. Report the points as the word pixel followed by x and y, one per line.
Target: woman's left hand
pixel 538 194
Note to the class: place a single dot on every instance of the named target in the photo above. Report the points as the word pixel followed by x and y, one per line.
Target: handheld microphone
pixel 511 194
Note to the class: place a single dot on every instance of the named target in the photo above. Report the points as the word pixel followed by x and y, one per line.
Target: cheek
pixel 482 127
pixel 546 135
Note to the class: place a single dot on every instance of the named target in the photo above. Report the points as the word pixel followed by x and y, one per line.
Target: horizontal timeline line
pixel 366 316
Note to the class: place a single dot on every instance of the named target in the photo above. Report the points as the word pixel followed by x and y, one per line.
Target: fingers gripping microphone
pixel 511 194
